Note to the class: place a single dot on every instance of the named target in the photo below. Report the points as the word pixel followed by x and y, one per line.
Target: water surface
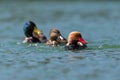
pixel 97 21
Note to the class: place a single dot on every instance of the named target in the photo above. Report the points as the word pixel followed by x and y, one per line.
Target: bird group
pixel 74 41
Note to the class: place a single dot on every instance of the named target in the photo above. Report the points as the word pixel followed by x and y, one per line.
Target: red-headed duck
pixel 75 41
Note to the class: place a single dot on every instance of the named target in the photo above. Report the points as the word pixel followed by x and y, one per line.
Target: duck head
pixel 54 30
pixel 74 37
pixel 30 30
pixel 60 38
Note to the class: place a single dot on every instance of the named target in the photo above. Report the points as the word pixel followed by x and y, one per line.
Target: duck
pixel 33 34
pixel 75 41
pixel 55 38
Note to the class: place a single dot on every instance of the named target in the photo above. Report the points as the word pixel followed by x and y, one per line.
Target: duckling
pixel 75 41
pixel 33 34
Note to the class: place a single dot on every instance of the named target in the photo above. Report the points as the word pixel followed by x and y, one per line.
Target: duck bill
pixel 61 37
pixel 82 41
pixel 37 32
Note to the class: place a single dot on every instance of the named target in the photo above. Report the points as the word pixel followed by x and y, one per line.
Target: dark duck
pixel 75 41
pixel 33 34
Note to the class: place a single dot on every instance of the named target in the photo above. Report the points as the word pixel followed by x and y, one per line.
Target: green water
pixel 99 23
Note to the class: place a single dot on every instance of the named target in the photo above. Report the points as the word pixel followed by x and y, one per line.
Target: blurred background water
pixel 99 23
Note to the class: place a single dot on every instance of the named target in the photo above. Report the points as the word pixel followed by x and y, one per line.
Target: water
pixel 97 21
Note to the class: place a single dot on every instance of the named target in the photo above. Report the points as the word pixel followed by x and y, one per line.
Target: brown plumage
pixel 73 37
pixel 56 36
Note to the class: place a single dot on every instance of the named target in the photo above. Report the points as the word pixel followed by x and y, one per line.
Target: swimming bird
pixel 75 41
pixel 55 38
pixel 32 33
